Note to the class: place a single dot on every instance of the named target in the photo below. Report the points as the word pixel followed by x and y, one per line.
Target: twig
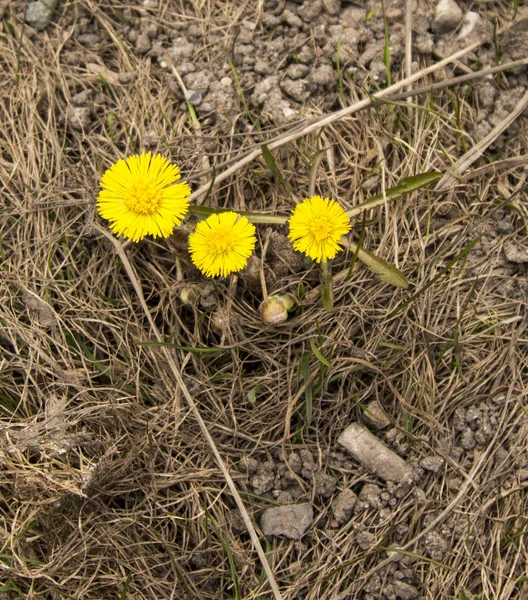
pixel 194 408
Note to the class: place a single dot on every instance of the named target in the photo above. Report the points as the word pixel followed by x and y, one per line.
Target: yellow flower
pixel 138 197
pixel 222 244
pixel 316 226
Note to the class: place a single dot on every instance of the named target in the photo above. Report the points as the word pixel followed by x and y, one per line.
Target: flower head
pixel 222 244
pixel 316 226
pixel 138 196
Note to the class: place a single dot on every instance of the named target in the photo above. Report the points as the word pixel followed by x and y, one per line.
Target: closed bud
pixel 274 309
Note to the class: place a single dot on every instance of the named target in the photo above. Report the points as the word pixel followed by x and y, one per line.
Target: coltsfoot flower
pixel 316 226
pixel 139 196
pixel 222 244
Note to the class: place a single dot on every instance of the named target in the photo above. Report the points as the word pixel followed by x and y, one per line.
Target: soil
pixel 109 488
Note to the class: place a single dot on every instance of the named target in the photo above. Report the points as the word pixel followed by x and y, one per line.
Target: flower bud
pixel 274 309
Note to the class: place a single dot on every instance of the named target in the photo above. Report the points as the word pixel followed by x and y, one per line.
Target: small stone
pixel 467 441
pixel 90 40
pixel 248 465
pixel 343 505
pixel 448 16
pixel 143 43
pixel 193 97
pixel 332 7
pixel 515 253
pixel 291 19
pixel 324 484
pixel 365 540
pixel 261 67
pixel 295 89
pixel 296 71
pixel 310 10
pixel 432 463
pixel 199 81
pixel 38 14
pixel 181 50
pixel 264 480
pixel 226 82
pixel 503 226
pixel 290 521
pixel 435 546
pixel 370 493
pixel 375 416
pixel 324 75
pixel 404 591
pixel 374 455
pixel 468 25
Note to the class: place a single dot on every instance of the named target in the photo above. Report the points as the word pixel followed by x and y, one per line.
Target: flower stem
pixel 328 291
pixel 205 211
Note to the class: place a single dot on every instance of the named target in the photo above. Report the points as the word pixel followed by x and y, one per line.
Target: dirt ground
pixel 131 466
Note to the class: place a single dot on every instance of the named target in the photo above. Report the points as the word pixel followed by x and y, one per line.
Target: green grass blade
pixel 407 185
pixel 386 271
pixel 318 354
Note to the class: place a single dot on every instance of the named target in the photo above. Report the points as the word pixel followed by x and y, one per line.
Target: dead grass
pixel 108 488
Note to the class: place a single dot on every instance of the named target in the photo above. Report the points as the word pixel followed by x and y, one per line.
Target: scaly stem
pixel 326 281
pixel 205 211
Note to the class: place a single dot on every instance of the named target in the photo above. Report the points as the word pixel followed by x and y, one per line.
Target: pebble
pixel 375 416
pixel 432 463
pixel 343 505
pixel 291 19
pixel 404 591
pixel 448 16
pixel 515 253
pixel 38 14
pixel 193 97
pixel 291 521
pixel 374 455
pixel 295 89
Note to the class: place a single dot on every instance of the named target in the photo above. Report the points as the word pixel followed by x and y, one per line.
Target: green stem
pixel 328 291
pixel 205 211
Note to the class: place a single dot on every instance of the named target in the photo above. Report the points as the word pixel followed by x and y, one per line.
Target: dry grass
pixel 108 488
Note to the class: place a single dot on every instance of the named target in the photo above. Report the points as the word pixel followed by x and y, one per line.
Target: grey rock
pixel 291 521
pixel 90 40
pixel 264 480
pixel 504 226
pixel 324 484
pixel 310 10
pixel 515 253
pixel 296 71
pixel 297 90
pixel 404 591
pixel 324 75
pixel 143 43
pixel 332 7
pixel 261 67
pixel 435 546
pixel 448 16
pixel 365 540
pixel 432 463
pixel 180 51
pixel 375 416
pixel 193 97
pixel 467 441
pixel 343 505
pixel 374 455
pixel 291 19
pixel 38 14
pixel 199 81
pixel 371 494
